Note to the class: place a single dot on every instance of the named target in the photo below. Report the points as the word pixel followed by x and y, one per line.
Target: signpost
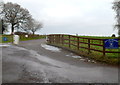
pixel 5 39
pixel 111 43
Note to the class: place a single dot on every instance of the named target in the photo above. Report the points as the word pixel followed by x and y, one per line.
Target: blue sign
pixel 5 39
pixel 111 43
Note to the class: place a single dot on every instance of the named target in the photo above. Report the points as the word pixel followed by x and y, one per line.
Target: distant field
pixel 99 37
pixel 22 38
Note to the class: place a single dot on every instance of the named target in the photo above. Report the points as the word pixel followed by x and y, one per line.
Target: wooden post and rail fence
pixel 90 44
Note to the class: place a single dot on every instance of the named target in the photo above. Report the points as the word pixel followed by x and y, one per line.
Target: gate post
pixel 62 39
pixel 88 45
pixel 103 48
pixel 78 43
pixel 69 40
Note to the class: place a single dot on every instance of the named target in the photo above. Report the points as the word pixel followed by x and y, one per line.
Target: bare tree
pixel 34 25
pixel 15 15
pixel 116 7
pixel 25 27
pixel 1 7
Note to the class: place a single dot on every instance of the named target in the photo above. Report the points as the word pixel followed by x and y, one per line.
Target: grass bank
pixel 22 38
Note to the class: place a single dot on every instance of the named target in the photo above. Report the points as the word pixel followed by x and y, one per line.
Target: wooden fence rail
pixel 80 42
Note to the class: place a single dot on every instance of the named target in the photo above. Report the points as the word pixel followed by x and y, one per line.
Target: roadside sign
pixel 111 43
pixel 5 39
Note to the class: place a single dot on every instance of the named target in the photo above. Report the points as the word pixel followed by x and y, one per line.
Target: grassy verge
pixel 9 38
pixel 94 55
pixel 22 38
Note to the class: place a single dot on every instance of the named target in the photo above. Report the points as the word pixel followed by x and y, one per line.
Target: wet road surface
pixel 0 65
pixel 35 62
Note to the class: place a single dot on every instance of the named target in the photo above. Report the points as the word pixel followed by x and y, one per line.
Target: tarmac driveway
pixel 35 62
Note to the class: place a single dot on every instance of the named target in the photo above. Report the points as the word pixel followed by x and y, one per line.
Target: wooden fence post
pixel 53 39
pixel 78 43
pixel 48 38
pixel 69 40
pixel 55 36
pixel 56 39
pixel 59 38
pixel 103 48
pixel 62 39
pixel 88 45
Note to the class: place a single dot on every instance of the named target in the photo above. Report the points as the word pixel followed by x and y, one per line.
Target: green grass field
pixel 92 46
pixel 22 38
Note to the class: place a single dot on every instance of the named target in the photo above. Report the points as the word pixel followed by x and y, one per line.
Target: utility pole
pixel 0 26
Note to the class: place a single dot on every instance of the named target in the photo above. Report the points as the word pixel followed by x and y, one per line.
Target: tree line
pixel 18 18
pixel 116 8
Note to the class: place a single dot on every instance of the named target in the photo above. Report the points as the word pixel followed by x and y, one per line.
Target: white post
pixel 16 39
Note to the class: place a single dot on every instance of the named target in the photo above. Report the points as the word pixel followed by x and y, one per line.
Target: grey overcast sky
pixel 84 17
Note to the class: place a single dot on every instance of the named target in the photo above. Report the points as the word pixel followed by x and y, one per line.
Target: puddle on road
pixel 81 58
pixel 51 48
pixel 76 57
